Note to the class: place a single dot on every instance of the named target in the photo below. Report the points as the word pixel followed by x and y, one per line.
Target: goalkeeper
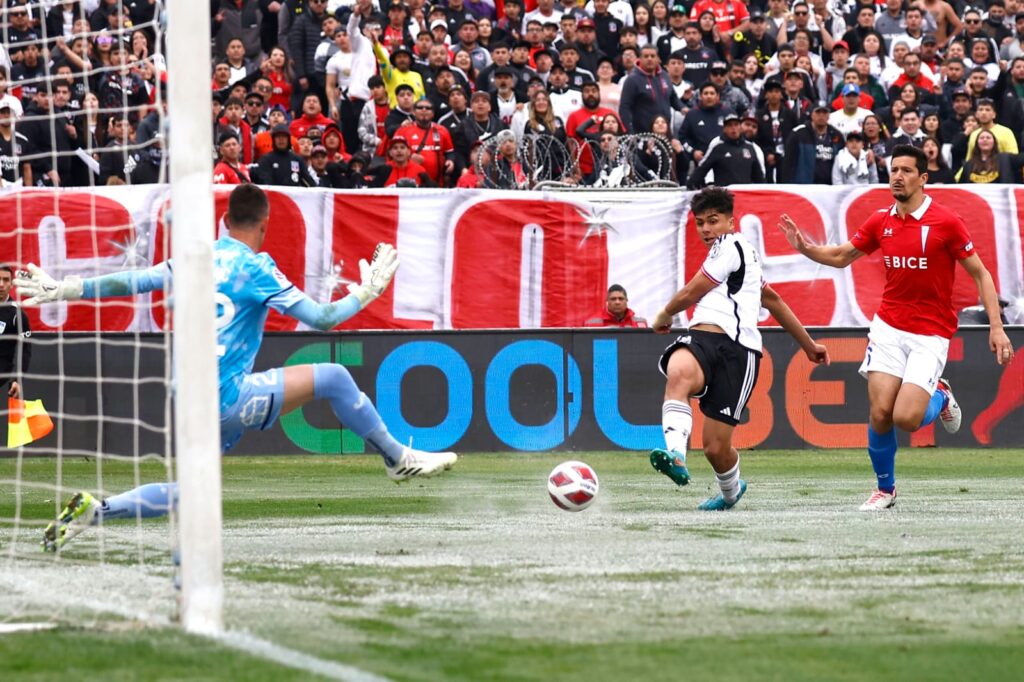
pixel 249 285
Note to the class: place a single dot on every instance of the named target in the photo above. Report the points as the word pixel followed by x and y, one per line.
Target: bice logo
pixel 906 262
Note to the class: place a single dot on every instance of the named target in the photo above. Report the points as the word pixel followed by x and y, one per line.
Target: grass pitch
pixel 477 576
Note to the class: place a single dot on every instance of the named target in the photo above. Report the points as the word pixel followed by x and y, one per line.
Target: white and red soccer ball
pixel 573 486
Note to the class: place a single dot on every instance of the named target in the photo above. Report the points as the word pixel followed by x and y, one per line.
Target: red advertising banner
pixel 491 259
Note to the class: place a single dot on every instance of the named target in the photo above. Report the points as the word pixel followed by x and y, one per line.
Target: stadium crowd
pixel 508 93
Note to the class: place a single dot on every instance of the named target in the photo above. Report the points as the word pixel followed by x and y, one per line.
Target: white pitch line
pixel 9 628
pixel 251 644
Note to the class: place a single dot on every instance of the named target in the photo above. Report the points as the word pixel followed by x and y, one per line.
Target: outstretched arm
pixel 836 256
pixel 374 279
pixel 816 352
pixel 39 287
pixel 684 298
pixel 998 342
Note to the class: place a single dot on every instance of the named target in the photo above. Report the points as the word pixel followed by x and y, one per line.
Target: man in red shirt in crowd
pixel 921 243
pixel 402 169
pixel 431 144
pixel 591 109
pixel 312 117
pixel 616 312
pixel 228 170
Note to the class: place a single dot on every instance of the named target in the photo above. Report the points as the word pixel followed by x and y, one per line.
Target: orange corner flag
pixel 26 421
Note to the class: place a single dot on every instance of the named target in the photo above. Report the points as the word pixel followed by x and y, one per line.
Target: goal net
pixel 91 168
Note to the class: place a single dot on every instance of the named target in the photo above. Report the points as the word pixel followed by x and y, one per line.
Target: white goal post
pixel 196 427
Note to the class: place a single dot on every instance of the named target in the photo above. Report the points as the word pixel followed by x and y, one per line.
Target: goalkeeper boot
pixel 671 463
pixel 718 503
pixel 78 515
pixel 951 415
pixel 416 463
pixel 880 500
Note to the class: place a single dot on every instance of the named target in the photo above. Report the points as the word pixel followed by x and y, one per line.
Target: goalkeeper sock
pixel 676 424
pixel 882 450
pixel 334 384
pixel 935 405
pixel 147 501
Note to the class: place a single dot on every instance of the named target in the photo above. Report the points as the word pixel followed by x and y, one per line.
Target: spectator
pixel 908 132
pixel 304 36
pixel 256 113
pixel 675 38
pixel 334 143
pixel 855 165
pixel 646 93
pixel 6 98
pixel 987 165
pixel 479 158
pixel 372 125
pixel 469 34
pixel 696 56
pixel 851 117
pixel 703 123
pixel 431 143
pixel 546 11
pixel 396 70
pixel 229 169
pixel 233 122
pixel 811 150
pixel 775 123
pixel 281 165
pixel 564 98
pixel 396 32
pixel 876 138
pixel 438 94
pixel 458 110
pixel 986 115
pixel 147 166
pixel 731 158
pixel 15 349
pixel 278 71
pixel 481 121
pixel 312 116
pixel 731 96
pixel 240 69
pixel 611 90
pixel 504 101
pixel 851 77
pixel 318 166
pixel 238 20
pixel 616 312
pixel 506 169
pixel 754 41
pixel 710 36
pixel 569 58
pixel 404 172
pixel 587 121
pixel 793 86
pixel 403 112
pixel 913 29
pixel 263 142
pixel 14 169
pixel 931 126
pixel 28 75
pixel 938 172
pixel 1011 101
pixel 52 165
pixel 961 107
pixel 607 26
pixel 114 155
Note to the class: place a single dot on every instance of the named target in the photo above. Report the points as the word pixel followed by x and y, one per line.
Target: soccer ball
pixel 573 486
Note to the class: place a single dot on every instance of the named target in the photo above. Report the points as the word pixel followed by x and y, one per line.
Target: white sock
pixel 676 424
pixel 729 483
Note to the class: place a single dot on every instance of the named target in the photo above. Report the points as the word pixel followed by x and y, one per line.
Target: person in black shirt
pixel 14 329
pixel 13 146
pixel 732 158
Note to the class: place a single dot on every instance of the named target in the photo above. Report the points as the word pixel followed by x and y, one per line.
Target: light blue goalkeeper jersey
pixel 249 285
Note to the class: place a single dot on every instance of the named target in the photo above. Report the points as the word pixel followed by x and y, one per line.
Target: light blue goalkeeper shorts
pixel 260 398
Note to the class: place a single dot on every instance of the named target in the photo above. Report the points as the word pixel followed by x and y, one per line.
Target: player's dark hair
pixel 247 207
pixel 8 268
pixel 920 159
pixel 718 199
pixel 617 287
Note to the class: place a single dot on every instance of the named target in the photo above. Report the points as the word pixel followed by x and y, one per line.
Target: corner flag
pixel 26 421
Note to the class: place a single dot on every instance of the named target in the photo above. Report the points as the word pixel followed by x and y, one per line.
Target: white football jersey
pixel 735 304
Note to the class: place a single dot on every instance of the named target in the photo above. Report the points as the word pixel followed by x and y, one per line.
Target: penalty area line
pixel 251 644
pixel 11 628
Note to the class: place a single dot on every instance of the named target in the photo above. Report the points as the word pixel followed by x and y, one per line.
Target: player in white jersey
pixel 718 359
pixel 248 286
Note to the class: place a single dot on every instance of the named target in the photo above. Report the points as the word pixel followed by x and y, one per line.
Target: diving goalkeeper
pixel 249 285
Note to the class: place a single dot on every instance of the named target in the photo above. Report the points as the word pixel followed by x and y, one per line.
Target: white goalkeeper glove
pixel 39 287
pixel 375 275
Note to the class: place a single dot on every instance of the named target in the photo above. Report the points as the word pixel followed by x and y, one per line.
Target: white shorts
pixel 916 358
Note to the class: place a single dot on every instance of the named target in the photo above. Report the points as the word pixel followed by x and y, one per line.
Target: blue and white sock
pixel 676 424
pixel 936 404
pixel 334 384
pixel 148 501
pixel 882 450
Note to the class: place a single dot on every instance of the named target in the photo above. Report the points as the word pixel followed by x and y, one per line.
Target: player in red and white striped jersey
pixel 921 244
